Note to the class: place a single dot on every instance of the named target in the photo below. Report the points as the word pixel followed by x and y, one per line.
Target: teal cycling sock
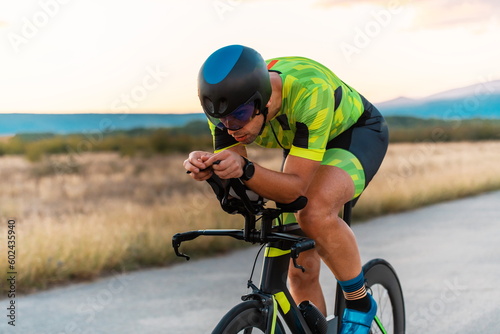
pixel 355 293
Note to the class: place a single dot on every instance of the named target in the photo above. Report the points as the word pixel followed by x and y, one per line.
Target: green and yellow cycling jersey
pixel 316 107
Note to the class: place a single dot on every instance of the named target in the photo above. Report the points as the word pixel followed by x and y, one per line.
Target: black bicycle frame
pixel 282 244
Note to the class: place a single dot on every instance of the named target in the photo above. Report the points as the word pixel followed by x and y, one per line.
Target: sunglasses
pixel 236 120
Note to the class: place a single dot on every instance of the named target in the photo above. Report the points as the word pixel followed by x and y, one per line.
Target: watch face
pixel 248 170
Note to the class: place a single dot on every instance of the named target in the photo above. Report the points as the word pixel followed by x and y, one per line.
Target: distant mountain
pixel 476 101
pixel 89 123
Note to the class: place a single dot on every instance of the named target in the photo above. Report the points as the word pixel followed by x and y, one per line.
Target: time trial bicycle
pixel 269 307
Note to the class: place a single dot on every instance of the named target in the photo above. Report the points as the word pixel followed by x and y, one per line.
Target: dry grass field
pixel 414 175
pixel 82 216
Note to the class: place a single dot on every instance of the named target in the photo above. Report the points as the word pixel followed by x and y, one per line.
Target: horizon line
pixel 485 83
pixel 93 113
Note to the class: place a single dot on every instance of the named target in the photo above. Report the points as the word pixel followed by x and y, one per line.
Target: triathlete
pixel 334 142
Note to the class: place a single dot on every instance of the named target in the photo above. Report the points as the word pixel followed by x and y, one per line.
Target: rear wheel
pixel 246 318
pixel 383 283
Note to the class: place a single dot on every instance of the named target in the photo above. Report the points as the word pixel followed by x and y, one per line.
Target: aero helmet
pixel 232 83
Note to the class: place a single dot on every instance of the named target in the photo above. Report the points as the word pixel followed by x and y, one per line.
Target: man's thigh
pixel 331 186
pixel 350 164
pixel 329 190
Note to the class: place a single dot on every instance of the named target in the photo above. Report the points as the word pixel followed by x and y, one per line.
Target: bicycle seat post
pixel 347 213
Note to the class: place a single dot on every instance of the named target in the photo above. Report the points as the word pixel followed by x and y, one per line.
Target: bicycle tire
pixel 384 285
pixel 245 318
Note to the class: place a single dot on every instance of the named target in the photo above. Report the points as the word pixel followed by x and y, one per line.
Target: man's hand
pixel 230 166
pixel 197 165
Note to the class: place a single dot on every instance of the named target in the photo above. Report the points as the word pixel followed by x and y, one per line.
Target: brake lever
pixel 179 254
pixel 176 247
pixel 178 238
pixel 299 247
pixel 298 266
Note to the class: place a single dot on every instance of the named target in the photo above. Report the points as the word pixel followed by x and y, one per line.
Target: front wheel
pixel 385 288
pixel 247 317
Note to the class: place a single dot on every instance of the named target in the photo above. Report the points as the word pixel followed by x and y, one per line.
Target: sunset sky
pixel 144 55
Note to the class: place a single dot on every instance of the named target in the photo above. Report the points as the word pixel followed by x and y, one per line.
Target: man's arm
pixel 282 187
pixel 287 186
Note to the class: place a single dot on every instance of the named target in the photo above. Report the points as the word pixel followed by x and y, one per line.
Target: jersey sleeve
pixel 221 139
pixel 314 118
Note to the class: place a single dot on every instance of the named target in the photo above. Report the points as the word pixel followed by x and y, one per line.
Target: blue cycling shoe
pixel 356 322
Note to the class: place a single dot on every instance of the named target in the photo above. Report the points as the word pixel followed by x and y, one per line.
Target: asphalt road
pixel 447 257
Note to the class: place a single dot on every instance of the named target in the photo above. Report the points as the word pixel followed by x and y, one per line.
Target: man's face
pixel 247 134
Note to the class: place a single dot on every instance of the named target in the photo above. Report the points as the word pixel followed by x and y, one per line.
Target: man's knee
pixel 317 219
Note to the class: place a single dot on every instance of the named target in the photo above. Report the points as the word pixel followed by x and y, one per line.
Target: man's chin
pixel 246 139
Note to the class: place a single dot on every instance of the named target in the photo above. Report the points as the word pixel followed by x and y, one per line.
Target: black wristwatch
pixel 248 170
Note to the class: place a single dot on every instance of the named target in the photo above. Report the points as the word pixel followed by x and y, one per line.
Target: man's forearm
pixel 276 186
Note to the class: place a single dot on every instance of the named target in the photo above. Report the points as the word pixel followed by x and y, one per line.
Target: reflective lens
pixel 237 119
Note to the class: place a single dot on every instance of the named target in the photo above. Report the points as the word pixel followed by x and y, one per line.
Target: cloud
pixel 331 3
pixel 435 14
pixel 447 13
